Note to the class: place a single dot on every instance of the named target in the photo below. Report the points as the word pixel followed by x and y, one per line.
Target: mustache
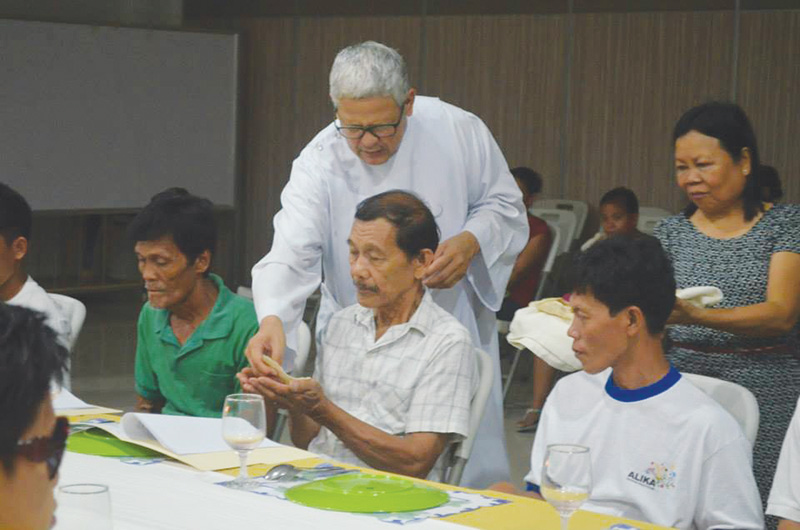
pixel 364 287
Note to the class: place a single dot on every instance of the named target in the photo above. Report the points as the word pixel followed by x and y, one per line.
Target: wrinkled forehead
pixel 377 233
pixel 163 246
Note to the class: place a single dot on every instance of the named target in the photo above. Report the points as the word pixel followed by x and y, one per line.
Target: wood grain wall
pixel 588 99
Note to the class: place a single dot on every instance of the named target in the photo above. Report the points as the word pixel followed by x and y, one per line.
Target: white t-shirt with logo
pixel 666 454
pixel 784 498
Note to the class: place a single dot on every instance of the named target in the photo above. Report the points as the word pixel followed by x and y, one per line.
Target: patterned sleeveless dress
pixel 768 367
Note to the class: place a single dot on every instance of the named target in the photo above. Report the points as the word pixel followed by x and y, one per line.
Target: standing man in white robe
pixel 385 137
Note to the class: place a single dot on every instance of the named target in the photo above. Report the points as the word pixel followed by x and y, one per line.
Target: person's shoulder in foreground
pixel 32 439
pixel 784 498
pixel 662 451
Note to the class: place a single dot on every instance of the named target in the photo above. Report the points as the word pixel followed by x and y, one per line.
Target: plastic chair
pixel 502 325
pixel 298 370
pixel 459 453
pixel 736 399
pixel 649 218
pixel 566 221
pixel 579 208
pixel 75 312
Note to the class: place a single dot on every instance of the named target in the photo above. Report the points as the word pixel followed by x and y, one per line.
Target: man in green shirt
pixel 192 332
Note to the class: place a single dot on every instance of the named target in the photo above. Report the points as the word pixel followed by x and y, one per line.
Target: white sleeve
pixel 728 496
pixel 291 271
pixel 540 442
pixel 784 498
pixel 496 215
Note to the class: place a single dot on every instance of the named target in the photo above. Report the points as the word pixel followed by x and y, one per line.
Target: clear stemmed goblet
pixel 566 478
pixel 244 426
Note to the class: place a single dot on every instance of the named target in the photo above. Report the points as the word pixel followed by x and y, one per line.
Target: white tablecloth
pixel 173 497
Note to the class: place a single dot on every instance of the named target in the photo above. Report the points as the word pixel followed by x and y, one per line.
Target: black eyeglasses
pixel 48 449
pixel 380 130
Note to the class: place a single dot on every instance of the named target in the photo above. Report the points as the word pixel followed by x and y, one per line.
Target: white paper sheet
pixel 183 435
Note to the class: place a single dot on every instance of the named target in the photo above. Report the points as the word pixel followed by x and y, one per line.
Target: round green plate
pixel 100 443
pixel 364 493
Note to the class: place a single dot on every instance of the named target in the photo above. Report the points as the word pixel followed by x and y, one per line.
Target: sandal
pixel 525 424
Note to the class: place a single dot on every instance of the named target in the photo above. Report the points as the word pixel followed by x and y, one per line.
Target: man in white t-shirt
pixel 16 287
pixel 662 451
pixel 784 498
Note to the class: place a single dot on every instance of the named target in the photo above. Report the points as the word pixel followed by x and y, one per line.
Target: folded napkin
pixel 704 296
pixel 542 328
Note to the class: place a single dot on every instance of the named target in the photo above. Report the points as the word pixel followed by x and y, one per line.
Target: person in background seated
pixel 662 450
pixel 619 214
pixel 784 498
pixel 16 286
pixel 193 330
pixel 523 283
pixel 32 439
pixel 395 376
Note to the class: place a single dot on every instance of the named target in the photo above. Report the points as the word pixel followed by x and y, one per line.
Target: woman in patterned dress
pixel 734 237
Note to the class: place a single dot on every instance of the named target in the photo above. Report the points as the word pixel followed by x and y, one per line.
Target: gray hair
pixel 366 70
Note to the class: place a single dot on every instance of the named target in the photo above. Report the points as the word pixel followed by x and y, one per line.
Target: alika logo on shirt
pixel 657 476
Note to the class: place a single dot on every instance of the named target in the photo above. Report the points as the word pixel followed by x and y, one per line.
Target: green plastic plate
pixel 100 443
pixel 364 493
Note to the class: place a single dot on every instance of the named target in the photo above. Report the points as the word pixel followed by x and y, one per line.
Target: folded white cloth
pixel 542 328
pixel 704 296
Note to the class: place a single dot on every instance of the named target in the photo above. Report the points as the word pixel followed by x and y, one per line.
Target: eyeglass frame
pixel 371 128
pixel 47 449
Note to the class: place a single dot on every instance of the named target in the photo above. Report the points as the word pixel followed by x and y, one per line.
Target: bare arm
pixel 145 405
pixel 412 454
pixel 531 258
pixel 786 524
pixel 776 316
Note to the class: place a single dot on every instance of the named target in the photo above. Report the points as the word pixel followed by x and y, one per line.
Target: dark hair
pixel 416 226
pixel 15 215
pixel 623 197
pixel 770 182
pixel 174 212
pixel 728 123
pixel 530 178
pixel 30 357
pixel 621 272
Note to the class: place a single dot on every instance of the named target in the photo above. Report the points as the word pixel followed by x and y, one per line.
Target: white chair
pixel 459 453
pixel 502 325
pixel 244 292
pixel 649 218
pixel 75 312
pixel 566 221
pixel 298 370
pixel 736 399
pixel 579 208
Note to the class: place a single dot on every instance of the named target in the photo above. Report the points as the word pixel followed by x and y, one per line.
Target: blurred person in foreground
pixel 32 439
pixel 662 450
pixel 395 374
pixel 384 136
pixel 735 236
pixel 192 332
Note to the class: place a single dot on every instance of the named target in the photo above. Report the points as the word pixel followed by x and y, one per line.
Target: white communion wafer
pixel 283 376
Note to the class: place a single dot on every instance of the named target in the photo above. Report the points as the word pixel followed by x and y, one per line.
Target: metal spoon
pixel 288 471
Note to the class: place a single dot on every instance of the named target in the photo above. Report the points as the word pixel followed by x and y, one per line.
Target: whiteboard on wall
pixel 96 117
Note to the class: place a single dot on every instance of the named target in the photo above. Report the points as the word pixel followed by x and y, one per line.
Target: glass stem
pixel 243 466
pixel 564 522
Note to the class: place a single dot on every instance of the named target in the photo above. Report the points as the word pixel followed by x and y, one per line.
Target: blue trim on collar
pixel 640 394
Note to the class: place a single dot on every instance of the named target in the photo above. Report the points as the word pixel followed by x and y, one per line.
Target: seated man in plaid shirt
pixel 395 374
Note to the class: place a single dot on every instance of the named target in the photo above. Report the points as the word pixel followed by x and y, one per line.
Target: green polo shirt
pixel 194 379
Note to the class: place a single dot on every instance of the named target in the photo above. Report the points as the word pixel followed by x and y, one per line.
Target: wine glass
pixel 244 426
pixel 83 507
pixel 566 478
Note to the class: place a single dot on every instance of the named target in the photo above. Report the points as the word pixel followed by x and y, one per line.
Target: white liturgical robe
pixel 448 158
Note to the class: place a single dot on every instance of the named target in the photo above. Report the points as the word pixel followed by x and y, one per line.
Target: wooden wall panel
pixel 632 77
pixel 267 114
pixel 318 42
pixel 509 70
pixel 768 81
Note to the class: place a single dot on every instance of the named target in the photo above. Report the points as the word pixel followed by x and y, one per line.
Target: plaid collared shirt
pixel 420 376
